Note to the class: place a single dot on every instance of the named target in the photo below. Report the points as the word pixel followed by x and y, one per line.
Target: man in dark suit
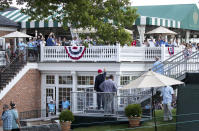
pixel 98 80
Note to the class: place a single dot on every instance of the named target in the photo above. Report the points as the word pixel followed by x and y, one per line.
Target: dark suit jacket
pixel 98 80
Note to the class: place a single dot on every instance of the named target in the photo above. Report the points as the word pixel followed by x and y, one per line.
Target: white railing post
pixel 42 53
pixel 163 53
pixel 118 52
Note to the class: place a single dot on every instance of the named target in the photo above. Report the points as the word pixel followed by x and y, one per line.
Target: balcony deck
pixel 107 54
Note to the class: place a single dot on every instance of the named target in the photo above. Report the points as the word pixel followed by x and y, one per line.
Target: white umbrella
pixel 162 30
pixel 16 34
pixel 152 80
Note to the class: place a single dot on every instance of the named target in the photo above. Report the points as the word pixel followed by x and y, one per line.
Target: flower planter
pixel 66 126
pixel 134 121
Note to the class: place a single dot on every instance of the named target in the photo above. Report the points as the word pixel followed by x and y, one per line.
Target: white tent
pixel 17 34
pixel 162 30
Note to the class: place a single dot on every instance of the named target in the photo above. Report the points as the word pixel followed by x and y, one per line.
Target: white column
pixel 74 88
pixel 117 80
pixel 141 30
pixel 163 53
pixel 41 53
pixel 118 52
pixel 187 36
pixel 57 91
pixel 43 96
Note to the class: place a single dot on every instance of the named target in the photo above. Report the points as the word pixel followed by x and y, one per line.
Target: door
pixel 50 95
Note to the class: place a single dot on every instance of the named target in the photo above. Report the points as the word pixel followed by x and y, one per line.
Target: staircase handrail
pixel 162 64
pixel 170 59
pixel 11 62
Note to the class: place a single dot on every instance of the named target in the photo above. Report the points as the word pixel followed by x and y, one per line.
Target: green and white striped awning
pixel 21 18
pixel 145 20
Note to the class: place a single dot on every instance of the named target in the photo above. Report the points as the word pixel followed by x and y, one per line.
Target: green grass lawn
pixel 146 126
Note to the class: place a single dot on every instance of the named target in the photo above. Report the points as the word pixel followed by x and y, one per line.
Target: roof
pixel 6 22
pixel 21 18
pixel 187 14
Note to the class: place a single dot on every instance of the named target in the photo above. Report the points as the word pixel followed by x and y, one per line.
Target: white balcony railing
pixel 107 53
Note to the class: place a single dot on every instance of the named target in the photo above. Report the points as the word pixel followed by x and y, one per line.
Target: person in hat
pixel 15 117
pixel 98 80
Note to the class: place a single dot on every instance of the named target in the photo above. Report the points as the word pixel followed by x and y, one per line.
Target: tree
pixel 108 17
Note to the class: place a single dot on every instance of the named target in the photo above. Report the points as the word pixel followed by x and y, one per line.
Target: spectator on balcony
pixel 65 42
pixel 100 78
pixel 158 66
pixel 22 51
pixel 15 121
pixel 133 43
pixel 74 42
pixel 65 104
pixel 7 118
pixel 51 40
pixel 8 54
pixel 109 88
pixel 151 43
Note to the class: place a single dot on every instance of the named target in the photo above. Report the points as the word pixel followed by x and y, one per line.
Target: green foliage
pixel 133 110
pixel 108 17
pixel 66 115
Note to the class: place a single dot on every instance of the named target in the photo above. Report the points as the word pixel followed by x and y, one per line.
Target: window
pixel 65 80
pixel 50 79
pixel 64 93
pixel 85 80
pixel 124 80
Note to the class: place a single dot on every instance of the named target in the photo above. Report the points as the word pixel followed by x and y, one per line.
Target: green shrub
pixel 66 115
pixel 133 110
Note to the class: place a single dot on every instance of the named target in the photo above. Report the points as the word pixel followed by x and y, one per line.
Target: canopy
pixel 162 30
pixel 23 19
pixel 152 79
pixel 16 34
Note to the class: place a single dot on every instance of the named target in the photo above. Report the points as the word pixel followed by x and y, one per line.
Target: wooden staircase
pixel 8 72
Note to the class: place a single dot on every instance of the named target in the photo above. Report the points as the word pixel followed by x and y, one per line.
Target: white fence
pixel 107 53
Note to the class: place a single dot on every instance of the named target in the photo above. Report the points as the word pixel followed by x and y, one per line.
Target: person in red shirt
pixel 133 43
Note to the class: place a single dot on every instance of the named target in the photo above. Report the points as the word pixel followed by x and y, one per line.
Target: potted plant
pixel 133 112
pixel 66 117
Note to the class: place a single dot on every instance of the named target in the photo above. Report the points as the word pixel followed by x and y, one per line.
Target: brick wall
pixel 2 33
pixel 26 93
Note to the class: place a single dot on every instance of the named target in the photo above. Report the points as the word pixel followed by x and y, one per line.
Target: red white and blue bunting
pixel 171 50
pixel 75 52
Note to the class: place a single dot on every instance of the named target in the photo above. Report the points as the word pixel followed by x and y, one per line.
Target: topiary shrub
pixel 133 110
pixel 66 115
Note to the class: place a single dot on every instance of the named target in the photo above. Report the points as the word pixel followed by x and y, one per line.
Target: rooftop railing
pixel 111 53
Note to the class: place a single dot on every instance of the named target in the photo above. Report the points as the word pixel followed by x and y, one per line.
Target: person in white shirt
pixel 167 94
pixel 74 42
